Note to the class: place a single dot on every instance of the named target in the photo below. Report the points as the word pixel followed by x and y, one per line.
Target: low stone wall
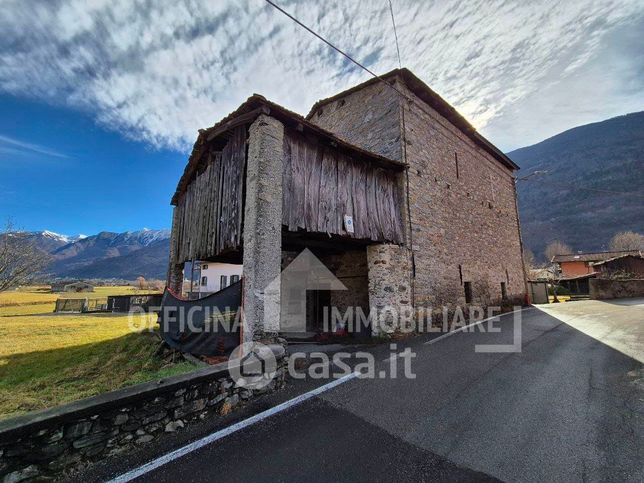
pixel 601 288
pixel 54 442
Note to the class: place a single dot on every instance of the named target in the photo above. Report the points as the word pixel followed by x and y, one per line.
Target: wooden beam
pixel 237 121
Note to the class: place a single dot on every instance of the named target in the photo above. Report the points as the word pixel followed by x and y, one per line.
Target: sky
pixel 101 100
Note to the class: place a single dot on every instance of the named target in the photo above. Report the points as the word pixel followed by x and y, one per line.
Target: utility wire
pixel 402 94
pixel 393 21
pixel 337 49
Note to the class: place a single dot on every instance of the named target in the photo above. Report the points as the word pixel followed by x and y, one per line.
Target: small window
pixel 223 281
pixel 234 279
pixel 456 162
pixel 504 291
pixel 204 281
pixel 204 267
pixel 468 292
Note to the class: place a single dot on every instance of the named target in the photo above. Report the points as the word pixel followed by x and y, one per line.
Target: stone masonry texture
pixel 262 220
pixel 389 288
pixel 464 222
pixel 59 445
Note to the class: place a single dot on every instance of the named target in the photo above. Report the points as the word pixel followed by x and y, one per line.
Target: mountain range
pixel 107 254
pixel 580 187
pixel 584 185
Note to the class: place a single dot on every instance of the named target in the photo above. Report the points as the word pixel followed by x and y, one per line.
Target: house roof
pixel 579 277
pixel 246 113
pixel 619 257
pixel 593 257
pixel 425 93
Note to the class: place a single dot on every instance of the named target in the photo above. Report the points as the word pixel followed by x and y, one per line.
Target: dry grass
pixel 43 295
pixel 46 360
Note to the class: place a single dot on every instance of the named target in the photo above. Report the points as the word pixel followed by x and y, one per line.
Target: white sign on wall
pixel 348 223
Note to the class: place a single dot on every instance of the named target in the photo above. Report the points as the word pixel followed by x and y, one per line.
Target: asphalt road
pixel 568 407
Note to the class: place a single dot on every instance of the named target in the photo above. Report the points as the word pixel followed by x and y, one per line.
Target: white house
pixel 216 276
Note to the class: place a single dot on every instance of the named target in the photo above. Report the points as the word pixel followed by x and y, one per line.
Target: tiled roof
pixel 593 257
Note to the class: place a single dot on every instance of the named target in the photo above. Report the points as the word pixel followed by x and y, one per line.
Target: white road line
pixel 461 329
pixel 211 438
pixel 189 448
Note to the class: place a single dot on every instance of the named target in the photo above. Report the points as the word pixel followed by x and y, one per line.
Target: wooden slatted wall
pixel 209 213
pixel 321 185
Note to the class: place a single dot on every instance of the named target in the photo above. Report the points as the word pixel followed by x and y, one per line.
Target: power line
pixel 410 100
pixel 402 94
pixel 393 21
pixel 306 27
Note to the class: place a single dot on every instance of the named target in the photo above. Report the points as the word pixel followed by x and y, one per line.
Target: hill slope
pixel 107 254
pixel 578 200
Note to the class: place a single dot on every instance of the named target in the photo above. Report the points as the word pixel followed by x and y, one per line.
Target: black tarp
pixel 209 326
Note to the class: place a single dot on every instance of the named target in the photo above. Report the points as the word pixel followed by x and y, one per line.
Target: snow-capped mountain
pixel 106 254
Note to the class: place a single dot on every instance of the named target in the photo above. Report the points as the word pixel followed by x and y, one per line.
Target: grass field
pixel 39 300
pixel 50 359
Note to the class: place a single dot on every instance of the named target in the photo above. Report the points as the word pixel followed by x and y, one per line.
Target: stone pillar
pixel 390 301
pixel 263 228
pixel 175 270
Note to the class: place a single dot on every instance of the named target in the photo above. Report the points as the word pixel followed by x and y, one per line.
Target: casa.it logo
pixel 253 365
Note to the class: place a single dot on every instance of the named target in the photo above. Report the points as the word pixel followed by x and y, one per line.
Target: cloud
pixel 158 71
pixel 13 146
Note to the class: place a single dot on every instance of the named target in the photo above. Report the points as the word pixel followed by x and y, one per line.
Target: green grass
pixel 43 295
pixel 47 360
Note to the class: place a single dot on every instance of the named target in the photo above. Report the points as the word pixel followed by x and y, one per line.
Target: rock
pixel 90 440
pixel 180 392
pixel 94 450
pixel 227 385
pixel 50 451
pixel 175 403
pixel 140 432
pixel 217 399
pixel 246 394
pixel 120 419
pixel 229 404
pixel 130 426
pixel 80 428
pixel 145 439
pixel 154 427
pixel 20 475
pixel 54 436
pixel 188 408
pixel 152 418
pixel 172 426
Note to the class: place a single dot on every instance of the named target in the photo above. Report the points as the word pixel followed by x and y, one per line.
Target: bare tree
pixel 556 247
pixel 20 259
pixel 140 282
pixel 627 240
pixel 528 259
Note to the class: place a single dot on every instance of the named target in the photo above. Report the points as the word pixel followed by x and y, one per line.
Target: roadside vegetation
pixel 48 359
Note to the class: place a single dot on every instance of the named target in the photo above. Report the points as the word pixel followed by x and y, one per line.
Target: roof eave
pixel 429 96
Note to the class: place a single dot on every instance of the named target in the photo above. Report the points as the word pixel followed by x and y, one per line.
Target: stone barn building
pixel 392 189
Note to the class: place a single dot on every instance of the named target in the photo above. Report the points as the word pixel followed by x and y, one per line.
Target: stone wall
pixel 602 289
pixel 351 269
pixel 464 221
pixel 389 288
pixel 465 225
pixel 367 118
pixel 55 442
